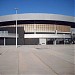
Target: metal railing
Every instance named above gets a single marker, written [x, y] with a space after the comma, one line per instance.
[6, 34]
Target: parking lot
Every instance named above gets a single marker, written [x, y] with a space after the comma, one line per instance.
[37, 60]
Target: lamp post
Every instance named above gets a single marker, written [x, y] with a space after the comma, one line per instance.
[16, 26]
[55, 40]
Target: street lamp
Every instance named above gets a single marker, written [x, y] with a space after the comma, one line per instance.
[55, 40]
[16, 26]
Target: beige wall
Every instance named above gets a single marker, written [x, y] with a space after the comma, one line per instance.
[45, 28]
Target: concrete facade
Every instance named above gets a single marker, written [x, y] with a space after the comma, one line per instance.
[56, 29]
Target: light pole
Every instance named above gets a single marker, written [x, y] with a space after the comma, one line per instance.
[16, 26]
[55, 40]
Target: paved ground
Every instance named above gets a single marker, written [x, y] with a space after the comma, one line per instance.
[37, 60]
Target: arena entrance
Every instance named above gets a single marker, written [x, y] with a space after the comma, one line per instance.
[31, 41]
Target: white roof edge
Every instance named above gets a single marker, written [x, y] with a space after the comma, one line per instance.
[37, 16]
[38, 13]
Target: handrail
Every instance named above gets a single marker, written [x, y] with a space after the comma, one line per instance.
[8, 35]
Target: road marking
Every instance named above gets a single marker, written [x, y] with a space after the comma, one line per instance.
[45, 63]
[3, 52]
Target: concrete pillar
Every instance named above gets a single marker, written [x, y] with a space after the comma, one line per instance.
[34, 28]
[4, 41]
[64, 39]
[54, 41]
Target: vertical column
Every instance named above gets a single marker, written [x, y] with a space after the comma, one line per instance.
[4, 41]
[64, 38]
[16, 33]
[16, 26]
[34, 28]
[54, 41]
[55, 34]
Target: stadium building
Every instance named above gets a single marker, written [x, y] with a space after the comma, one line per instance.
[37, 28]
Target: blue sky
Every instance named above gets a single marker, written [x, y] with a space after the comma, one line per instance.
[64, 7]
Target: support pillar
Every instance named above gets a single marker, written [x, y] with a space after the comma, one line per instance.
[4, 41]
[54, 41]
[64, 39]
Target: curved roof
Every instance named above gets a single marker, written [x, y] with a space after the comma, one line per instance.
[37, 16]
